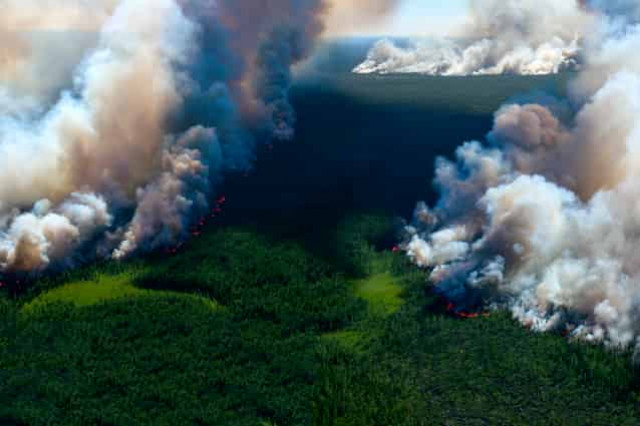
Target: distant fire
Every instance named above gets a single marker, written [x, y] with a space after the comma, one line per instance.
[451, 309]
[173, 250]
[197, 229]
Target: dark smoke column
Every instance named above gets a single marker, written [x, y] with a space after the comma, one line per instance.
[268, 37]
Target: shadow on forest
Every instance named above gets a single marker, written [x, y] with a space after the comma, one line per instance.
[364, 144]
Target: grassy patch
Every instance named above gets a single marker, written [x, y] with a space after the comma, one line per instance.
[382, 292]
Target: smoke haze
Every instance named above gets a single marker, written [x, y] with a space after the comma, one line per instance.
[543, 217]
[349, 17]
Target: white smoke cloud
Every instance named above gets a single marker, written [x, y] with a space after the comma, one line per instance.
[119, 117]
[33, 240]
[528, 37]
[544, 218]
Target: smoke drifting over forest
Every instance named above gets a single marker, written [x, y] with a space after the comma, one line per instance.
[543, 217]
[527, 37]
[119, 118]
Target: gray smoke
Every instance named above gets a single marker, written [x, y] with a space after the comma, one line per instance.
[119, 117]
[543, 218]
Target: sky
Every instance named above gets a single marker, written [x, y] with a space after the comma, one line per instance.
[426, 17]
[411, 18]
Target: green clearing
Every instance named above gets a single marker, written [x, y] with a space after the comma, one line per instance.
[103, 288]
[383, 296]
[381, 291]
[87, 293]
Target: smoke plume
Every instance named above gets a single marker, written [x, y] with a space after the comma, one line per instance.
[500, 37]
[118, 117]
[544, 217]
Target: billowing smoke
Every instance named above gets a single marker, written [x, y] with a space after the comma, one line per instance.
[528, 37]
[544, 218]
[118, 117]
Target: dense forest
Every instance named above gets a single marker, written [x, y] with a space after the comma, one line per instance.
[241, 328]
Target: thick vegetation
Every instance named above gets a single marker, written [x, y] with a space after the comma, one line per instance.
[242, 329]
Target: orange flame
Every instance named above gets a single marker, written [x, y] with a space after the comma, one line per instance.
[451, 309]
